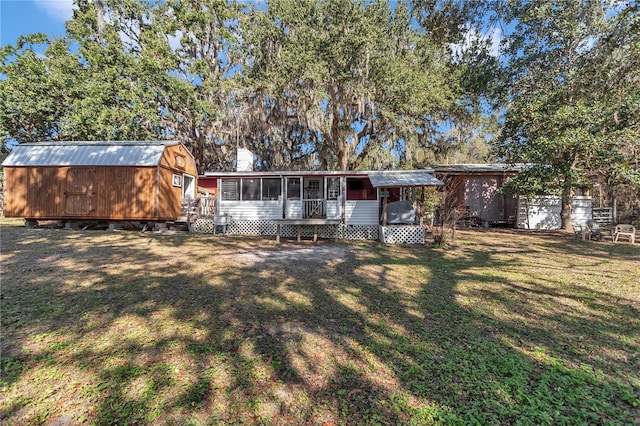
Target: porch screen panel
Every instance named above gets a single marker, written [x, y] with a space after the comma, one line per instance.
[293, 188]
[333, 188]
[230, 189]
[250, 189]
[271, 188]
[360, 189]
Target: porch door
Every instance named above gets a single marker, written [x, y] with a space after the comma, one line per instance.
[314, 202]
[312, 188]
[333, 196]
[293, 198]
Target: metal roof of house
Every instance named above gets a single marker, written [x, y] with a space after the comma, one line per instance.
[402, 178]
[478, 168]
[493, 168]
[102, 153]
[294, 173]
[386, 178]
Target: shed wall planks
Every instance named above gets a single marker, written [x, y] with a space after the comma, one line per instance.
[16, 197]
[82, 193]
[169, 196]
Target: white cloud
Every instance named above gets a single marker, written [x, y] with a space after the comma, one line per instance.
[57, 9]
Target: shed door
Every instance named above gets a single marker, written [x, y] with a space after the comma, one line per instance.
[79, 192]
[188, 186]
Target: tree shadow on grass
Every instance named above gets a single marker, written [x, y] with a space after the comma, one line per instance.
[379, 335]
[486, 367]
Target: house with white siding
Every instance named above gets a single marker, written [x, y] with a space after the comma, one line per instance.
[353, 203]
[363, 204]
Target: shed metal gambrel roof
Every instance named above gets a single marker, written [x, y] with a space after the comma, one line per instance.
[103, 153]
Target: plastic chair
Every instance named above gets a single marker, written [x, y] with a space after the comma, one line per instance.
[594, 230]
[628, 231]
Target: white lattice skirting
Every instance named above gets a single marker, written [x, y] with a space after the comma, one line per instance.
[204, 226]
[402, 234]
[360, 232]
[238, 227]
[268, 227]
[324, 231]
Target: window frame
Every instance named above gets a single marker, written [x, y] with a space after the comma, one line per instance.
[242, 187]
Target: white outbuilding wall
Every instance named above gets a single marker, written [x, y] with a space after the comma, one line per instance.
[543, 212]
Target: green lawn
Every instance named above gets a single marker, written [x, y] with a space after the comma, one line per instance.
[501, 328]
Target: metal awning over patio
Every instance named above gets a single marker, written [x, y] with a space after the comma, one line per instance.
[406, 178]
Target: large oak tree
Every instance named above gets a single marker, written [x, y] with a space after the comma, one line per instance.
[573, 96]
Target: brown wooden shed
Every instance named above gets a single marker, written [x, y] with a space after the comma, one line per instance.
[98, 181]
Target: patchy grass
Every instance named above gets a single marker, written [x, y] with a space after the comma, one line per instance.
[501, 328]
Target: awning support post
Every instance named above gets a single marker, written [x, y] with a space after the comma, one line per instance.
[385, 193]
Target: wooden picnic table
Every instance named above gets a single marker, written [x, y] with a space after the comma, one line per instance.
[299, 223]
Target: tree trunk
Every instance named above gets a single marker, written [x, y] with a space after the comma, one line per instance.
[565, 210]
[343, 160]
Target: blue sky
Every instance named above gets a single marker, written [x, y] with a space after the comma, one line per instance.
[21, 17]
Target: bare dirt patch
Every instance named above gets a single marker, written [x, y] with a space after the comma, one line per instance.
[292, 255]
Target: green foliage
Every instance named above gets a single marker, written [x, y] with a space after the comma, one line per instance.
[332, 83]
[38, 90]
[340, 83]
[364, 85]
[117, 76]
[573, 108]
[354, 73]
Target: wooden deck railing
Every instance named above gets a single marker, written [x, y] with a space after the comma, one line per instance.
[207, 206]
[314, 208]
